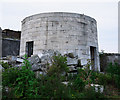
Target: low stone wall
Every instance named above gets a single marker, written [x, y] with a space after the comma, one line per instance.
[107, 58]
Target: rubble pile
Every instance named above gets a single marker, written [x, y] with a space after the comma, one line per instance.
[40, 62]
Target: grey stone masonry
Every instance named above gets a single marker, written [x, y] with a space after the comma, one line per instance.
[64, 32]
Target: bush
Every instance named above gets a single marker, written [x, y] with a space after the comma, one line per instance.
[78, 84]
[94, 77]
[101, 78]
[114, 70]
[22, 81]
[105, 79]
[59, 66]
[50, 85]
[23, 84]
[91, 94]
[9, 75]
[78, 81]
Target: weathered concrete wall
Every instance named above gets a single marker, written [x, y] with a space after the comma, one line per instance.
[10, 47]
[65, 32]
[10, 42]
[107, 58]
[0, 42]
[113, 58]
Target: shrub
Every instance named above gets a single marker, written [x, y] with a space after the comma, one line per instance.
[78, 84]
[9, 75]
[91, 94]
[22, 81]
[78, 81]
[94, 76]
[25, 85]
[104, 79]
[5, 65]
[51, 85]
[114, 70]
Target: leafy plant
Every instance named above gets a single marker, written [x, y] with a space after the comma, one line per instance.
[78, 84]
[50, 85]
[9, 75]
[82, 78]
[114, 70]
[20, 82]
[91, 94]
[25, 84]
[5, 65]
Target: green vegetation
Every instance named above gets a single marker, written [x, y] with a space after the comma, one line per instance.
[114, 71]
[22, 83]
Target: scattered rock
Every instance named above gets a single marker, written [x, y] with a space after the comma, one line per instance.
[12, 58]
[38, 66]
[71, 61]
[19, 60]
[39, 63]
[34, 59]
[79, 63]
[98, 88]
[47, 56]
[72, 68]
[71, 55]
[65, 83]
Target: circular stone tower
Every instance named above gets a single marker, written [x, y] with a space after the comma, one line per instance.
[64, 32]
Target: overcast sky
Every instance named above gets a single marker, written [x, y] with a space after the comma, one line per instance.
[104, 11]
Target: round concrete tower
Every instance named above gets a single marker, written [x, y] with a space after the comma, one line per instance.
[64, 32]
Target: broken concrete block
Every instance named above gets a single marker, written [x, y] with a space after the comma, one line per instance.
[47, 56]
[98, 88]
[19, 60]
[72, 68]
[36, 66]
[71, 55]
[12, 58]
[34, 59]
[39, 67]
[71, 61]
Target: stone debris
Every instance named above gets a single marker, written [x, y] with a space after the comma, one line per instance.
[72, 68]
[39, 63]
[12, 58]
[19, 60]
[34, 59]
[65, 83]
[72, 61]
[47, 56]
[98, 88]
[72, 55]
